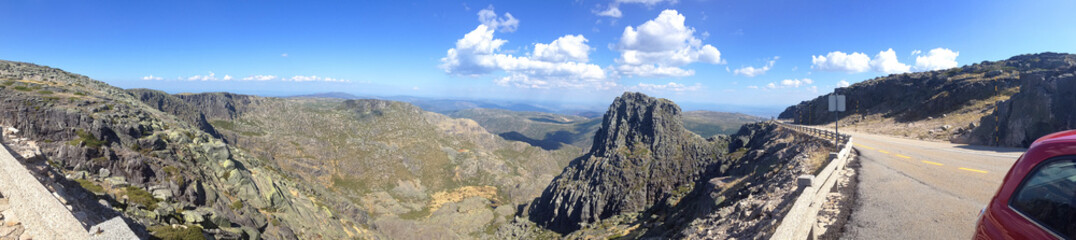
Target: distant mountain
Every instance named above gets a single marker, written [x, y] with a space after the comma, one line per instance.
[957, 104]
[710, 123]
[443, 106]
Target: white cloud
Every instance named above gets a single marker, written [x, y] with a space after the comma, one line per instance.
[504, 24]
[312, 78]
[671, 86]
[792, 83]
[613, 12]
[843, 83]
[916, 52]
[886, 62]
[662, 45]
[751, 71]
[284, 55]
[936, 59]
[566, 48]
[561, 63]
[211, 77]
[752, 87]
[151, 77]
[614, 7]
[259, 78]
[838, 61]
[795, 83]
[227, 77]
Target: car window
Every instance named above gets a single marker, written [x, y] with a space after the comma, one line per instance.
[1048, 196]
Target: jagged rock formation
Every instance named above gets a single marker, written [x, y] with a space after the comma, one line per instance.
[1044, 105]
[642, 157]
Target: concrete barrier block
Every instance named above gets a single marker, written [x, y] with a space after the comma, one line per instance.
[804, 181]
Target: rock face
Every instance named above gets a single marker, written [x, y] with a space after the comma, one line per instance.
[160, 158]
[1044, 105]
[916, 96]
[642, 156]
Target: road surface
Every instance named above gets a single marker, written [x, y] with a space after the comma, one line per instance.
[913, 189]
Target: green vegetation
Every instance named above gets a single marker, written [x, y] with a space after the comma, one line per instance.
[141, 197]
[238, 204]
[22, 88]
[90, 186]
[174, 174]
[185, 232]
[8, 83]
[80, 93]
[88, 139]
[100, 161]
[44, 92]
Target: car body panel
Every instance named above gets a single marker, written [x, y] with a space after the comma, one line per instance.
[999, 220]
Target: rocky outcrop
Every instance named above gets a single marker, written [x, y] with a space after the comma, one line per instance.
[1044, 105]
[172, 105]
[147, 157]
[641, 158]
[916, 96]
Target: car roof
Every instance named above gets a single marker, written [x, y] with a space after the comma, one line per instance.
[1069, 135]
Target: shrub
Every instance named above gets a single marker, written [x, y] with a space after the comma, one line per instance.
[80, 93]
[186, 232]
[88, 139]
[90, 186]
[45, 92]
[22, 88]
[237, 205]
[141, 197]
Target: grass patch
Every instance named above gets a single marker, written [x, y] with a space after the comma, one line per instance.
[8, 83]
[22, 88]
[185, 232]
[80, 93]
[44, 92]
[238, 204]
[101, 161]
[90, 186]
[88, 139]
[174, 174]
[141, 197]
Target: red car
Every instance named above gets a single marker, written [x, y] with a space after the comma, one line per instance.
[1037, 199]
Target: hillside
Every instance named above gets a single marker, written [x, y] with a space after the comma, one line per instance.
[947, 105]
[710, 123]
[409, 169]
[155, 168]
[647, 176]
[277, 168]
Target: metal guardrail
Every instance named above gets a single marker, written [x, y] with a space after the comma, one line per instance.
[799, 222]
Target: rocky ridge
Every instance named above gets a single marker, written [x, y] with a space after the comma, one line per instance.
[951, 104]
[154, 167]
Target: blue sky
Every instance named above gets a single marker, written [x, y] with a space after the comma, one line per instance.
[687, 50]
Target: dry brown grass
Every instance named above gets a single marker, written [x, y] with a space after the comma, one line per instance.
[926, 129]
[441, 198]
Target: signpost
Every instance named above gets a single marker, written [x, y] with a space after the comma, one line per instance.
[836, 105]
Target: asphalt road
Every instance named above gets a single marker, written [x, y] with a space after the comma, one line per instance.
[913, 189]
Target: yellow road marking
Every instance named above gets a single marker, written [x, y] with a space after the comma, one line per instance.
[973, 170]
[932, 163]
[904, 157]
[859, 145]
[883, 151]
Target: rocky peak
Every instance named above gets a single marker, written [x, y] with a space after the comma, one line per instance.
[635, 118]
[641, 158]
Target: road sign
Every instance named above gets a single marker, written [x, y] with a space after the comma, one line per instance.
[836, 103]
